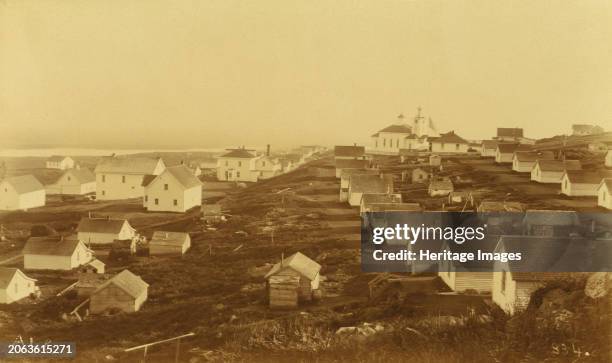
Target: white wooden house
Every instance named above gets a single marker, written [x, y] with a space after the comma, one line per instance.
[360, 184]
[60, 162]
[55, 253]
[94, 231]
[237, 165]
[266, 167]
[169, 243]
[488, 148]
[604, 193]
[176, 189]
[551, 171]
[476, 275]
[440, 187]
[121, 178]
[524, 161]
[368, 199]
[125, 292]
[345, 179]
[449, 142]
[292, 280]
[15, 285]
[21, 193]
[580, 183]
[343, 164]
[73, 181]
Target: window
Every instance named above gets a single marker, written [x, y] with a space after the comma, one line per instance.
[156, 201]
[457, 147]
[165, 186]
[103, 192]
[240, 163]
[175, 202]
[384, 142]
[146, 198]
[123, 178]
[503, 281]
[103, 178]
[397, 143]
[237, 174]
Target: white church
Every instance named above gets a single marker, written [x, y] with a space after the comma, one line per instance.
[404, 135]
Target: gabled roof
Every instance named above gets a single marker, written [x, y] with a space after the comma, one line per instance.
[349, 151]
[584, 177]
[351, 163]
[367, 183]
[83, 175]
[299, 263]
[238, 153]
[147, 179]
[183, 175]
[509, 132]
[129, 165]
[50, 246]
[398, 129]
[449, 137]
[128, 282]
[8, 273]
[101, 225]
[533, 155]
[489, 144]
[24, 183]
[370, 198]
[509, 148]
[169, 238]
[559, 165]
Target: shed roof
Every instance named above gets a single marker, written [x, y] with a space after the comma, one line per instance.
[299, 263]
[24, 183]
[101, 225]
[164, 238]
[559, 165]
[398, 129]
[585, 177]
[181, 173]
[367, 183]
[349, 151]
[509, 148]
[128, 282]
[128, 165]
[50, 246]
[533, 155]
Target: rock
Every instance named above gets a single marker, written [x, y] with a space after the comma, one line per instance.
[346, 330]
[598, 285]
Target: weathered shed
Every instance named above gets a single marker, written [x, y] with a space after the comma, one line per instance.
[440, 187]
[211, 213]
[292, 280]
[125, 292]
[169, 243]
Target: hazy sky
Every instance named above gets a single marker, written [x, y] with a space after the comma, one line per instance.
[146, 73]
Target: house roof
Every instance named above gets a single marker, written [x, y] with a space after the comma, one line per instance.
[7, 274]
[184, 176]
[509, 148]
[169, 238]
[368, 183]
[147, 179]
[347, 172]
[83, 175]
[449, 137]
[128, 282]
[346, 151]
[129, 165]
[398, 129]
[97, 264]
[24, 183]
[238, 153]
[397, 207]
[370, 198]
[101, 225]
[51, 246]
[551, 218]
[584, 177]
[351, 163]
[489, 144]
[533, 155]
[444, 184]
[509, 132]
[298, 262]
[559, 165]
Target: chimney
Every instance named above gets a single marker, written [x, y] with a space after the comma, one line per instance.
[268, 150]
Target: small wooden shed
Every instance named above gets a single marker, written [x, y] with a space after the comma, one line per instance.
[125, 292]
[292, 280]
[169, 243]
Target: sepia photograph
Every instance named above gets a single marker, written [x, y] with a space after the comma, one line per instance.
[197, 181]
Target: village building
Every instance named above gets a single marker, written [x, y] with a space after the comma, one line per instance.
[121, 178]
[360, 184]
[211, 213]
[15, 285]
[266, 167]
[169, 243]
[94, 231]
[73, 182]
[584, 130]
[440, 187]
[475, 275]
[60, 162]
[125, 292]
[511, 134]
[435, 160]
[608, 160]
[580, 183]
[345, 176]
[552, 171]
[420, 175]
[449, 142]
[55, 253]
[404, 135]
[505, 152]
[176, 189]
[21, 193]
[524, 161]
[294, 279]
[547, 223]
[604, 193]
[488, 148]
[237, 165]
[349, 152]
[368, 199]
[344, 164]
[90, 276]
